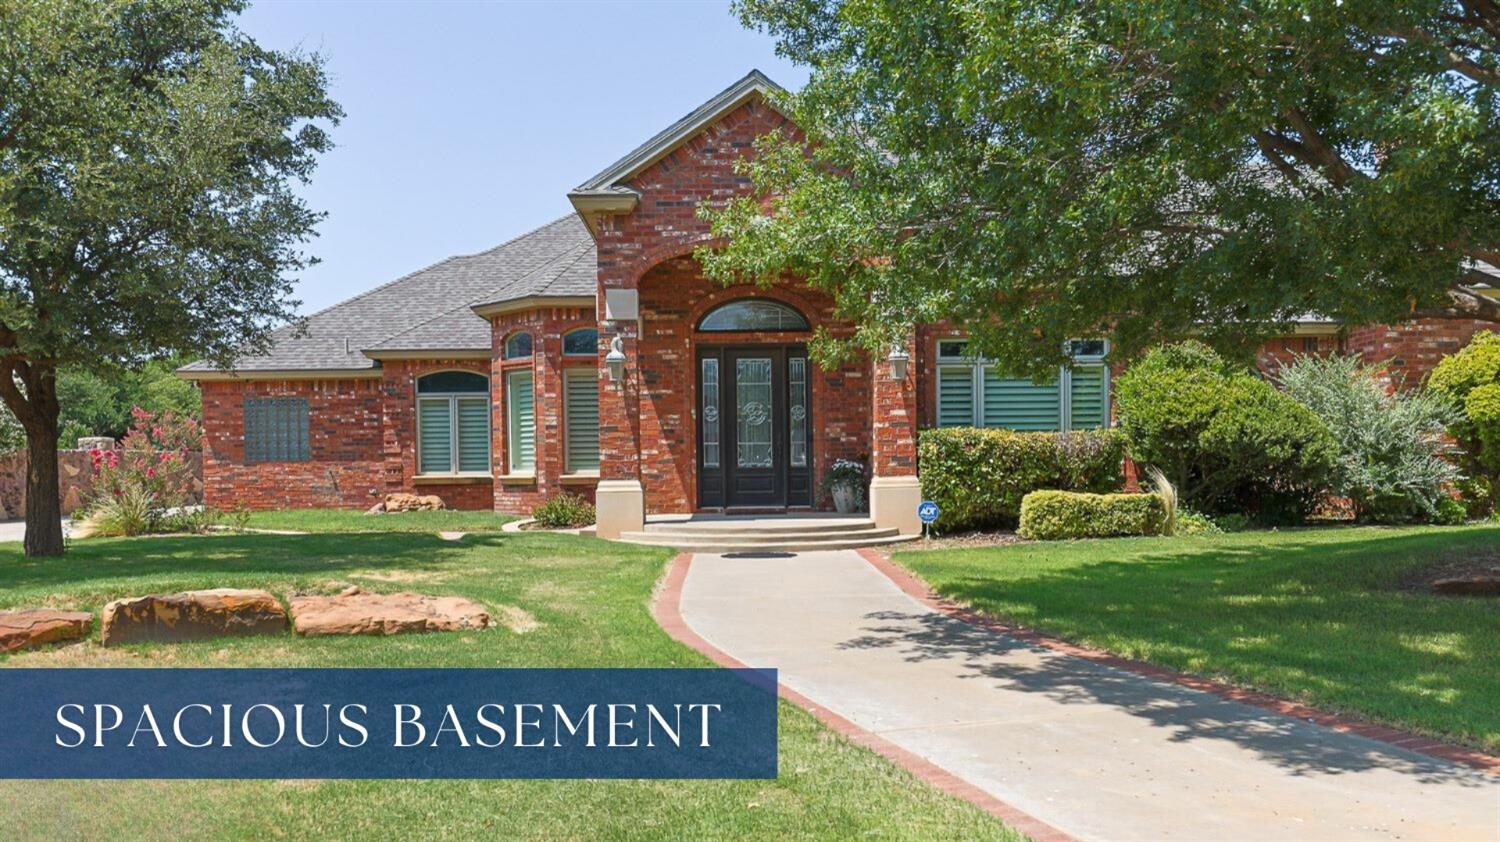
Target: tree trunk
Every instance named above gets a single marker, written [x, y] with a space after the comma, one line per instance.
[43, 512]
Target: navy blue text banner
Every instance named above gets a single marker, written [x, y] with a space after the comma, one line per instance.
[388, 723]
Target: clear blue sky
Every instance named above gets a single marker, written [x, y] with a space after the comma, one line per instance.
[467, 123]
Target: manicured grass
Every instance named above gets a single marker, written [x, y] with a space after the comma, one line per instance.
[1325, 616]
[585, 603]
[344, 520]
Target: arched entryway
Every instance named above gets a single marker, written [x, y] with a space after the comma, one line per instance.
[755, 423]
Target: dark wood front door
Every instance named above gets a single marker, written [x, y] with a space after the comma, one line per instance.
[754, 427]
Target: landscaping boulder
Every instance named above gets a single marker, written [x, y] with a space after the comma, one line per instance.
[357, 612]
[402, 502]
[191, 615]
[1478, 584]
[40, 626]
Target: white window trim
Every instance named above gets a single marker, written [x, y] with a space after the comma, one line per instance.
[568, 470]
[452, 399]
[977, 366]
[511, 468]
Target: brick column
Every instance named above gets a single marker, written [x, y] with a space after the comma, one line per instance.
[894, 488]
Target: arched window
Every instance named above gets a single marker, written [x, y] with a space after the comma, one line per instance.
[453, 423]
[752, 314]
[583, 342]
[518, 346]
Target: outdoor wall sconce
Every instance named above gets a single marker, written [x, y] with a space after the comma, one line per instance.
[615, 359]
[899, 359]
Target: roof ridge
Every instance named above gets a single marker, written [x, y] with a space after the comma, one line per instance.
[583, 250]
[489, 295]
[429, 267]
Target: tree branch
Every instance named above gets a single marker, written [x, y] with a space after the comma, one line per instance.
[1464, 302]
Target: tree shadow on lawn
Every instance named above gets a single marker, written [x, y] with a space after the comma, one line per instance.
[1325, 617]
[231, 560]
[1189, 715]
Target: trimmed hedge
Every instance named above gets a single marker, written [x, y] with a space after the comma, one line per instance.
[1059, 515]
[979, 477]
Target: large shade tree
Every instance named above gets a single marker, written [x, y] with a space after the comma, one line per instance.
[1038, 170]
[148, 154]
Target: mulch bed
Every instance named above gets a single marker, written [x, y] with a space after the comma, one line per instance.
[1456, 565]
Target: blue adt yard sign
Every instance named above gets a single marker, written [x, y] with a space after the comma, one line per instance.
[928, 511]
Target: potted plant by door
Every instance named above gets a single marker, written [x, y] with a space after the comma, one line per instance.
[845, 483]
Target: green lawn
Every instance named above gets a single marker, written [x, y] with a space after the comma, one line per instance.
[585, 603]
[1325, 616]
[345, 520]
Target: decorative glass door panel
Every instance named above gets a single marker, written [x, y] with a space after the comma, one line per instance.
[752, 410]
[754, 427]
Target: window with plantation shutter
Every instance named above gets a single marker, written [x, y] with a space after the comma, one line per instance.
[970, 392]
[520, 413]
[1088, 397]
[956, 396]
[276, 430]
[473, 435]
[453, 423]
[581, 419]
[1019, 404]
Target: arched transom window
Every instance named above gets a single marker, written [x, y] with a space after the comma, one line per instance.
[752, 314]
[453, 423]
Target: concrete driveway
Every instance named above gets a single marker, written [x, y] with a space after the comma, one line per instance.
[1096, 752]
[15, 530]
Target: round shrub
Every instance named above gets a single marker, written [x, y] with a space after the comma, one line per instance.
[978, 477]
[564, 511]
[1470, 379]
[1228, 440]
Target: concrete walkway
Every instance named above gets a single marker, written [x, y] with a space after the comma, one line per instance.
[1096, 752]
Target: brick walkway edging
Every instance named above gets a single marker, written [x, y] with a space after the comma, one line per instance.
[666, 608]
[917, 589]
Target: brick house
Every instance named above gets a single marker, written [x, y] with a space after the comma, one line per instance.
[591, 355]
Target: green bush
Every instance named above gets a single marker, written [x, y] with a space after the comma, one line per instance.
[1229, 441]
[978, 477]
[1190, 522]
[1059, 515]
[1392, 462]
[1471, 379]
[564, 511]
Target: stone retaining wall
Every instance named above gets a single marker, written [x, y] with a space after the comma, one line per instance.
[74, 475]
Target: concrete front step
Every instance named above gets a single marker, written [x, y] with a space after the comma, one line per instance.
[752, 534]
[797, 542]
[747, 525]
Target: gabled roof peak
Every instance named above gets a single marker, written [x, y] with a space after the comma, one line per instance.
[609, 181]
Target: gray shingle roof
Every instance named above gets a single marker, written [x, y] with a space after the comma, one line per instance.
[430, 309]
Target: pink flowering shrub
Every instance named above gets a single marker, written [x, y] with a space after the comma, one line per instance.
[144, 484]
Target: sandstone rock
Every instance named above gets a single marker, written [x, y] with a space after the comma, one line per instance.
[383, 614]
[95, 443]
[1479, 584]
[402, 502]
[352, 590]
[39, 626]
[377, 509]
[191, 615]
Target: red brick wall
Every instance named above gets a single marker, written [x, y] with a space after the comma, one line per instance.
[1277, 352]
[398, 385]
[547, 364]
[362, 437]
[674, 297]
[344, 436]
[665, 225]
[1414, 348]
